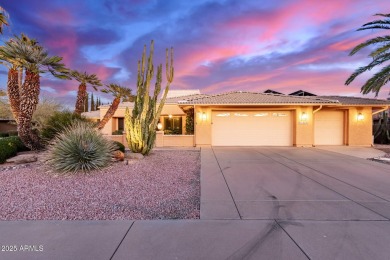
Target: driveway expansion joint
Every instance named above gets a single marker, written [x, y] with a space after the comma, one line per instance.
[227, 185]
[120, 243]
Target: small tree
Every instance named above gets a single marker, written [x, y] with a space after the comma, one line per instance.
[84, 79]
[141, 125]
[118, 92]
[190, 121]
[92, 103]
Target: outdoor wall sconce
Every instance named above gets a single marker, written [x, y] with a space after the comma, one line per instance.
[204, 116]
[360, 117]
[170, 116]
[159, 126]
[304, 117]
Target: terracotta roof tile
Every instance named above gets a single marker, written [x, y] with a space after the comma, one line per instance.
[357, 100]
[241, 97]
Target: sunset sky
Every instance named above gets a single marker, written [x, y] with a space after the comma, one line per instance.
[226, 45]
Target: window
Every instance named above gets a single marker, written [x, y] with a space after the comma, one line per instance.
[173, 125]
[121, 124]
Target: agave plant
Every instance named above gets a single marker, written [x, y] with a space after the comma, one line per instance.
[79, 148]
[118, 92]
[84, 79]
[380, 55]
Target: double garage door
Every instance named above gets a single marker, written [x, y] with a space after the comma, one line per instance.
[252, 128]
[272, 128]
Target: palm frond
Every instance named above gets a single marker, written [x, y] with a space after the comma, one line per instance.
[378, 61]
[376, 82]
[385, 27]
[117, 90]
[86, 78]
[384, 15]
[379, 39]
[385, 48]
[3, 19]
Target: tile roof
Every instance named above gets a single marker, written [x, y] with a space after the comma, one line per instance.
[357, 100]
[242, 98]
[175, 100]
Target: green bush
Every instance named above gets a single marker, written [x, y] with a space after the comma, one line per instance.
[58, 122]
[8, 148]
[80, 147]
[120, 146]
[117, 132]
[4, 134]
[19, 144]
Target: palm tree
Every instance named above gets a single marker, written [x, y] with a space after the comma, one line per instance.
[118, 92]
[3, 19]
[15, 69]
[84, 79]
[379, 55]
[35, 60]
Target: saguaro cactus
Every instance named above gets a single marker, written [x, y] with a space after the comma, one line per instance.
[141, 125]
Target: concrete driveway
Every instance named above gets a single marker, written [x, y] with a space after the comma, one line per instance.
[256, 203]
[331, 205]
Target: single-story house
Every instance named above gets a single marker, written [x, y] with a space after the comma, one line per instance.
[243, 118]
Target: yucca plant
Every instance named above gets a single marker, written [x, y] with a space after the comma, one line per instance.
[79, 148]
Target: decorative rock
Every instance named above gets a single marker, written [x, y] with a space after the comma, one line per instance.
[24, 158]
[137, 156]
[118, 155]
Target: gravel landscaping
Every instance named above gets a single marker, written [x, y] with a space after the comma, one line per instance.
[164, 185]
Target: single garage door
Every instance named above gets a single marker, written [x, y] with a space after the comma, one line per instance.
[251, 128]
[329, 128]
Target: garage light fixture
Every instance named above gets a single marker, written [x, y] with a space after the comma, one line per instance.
[360, 117]
[204, 116]
[304, 117]
[159, 126]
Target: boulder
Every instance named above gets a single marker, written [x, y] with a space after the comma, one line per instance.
[118, 155]
[136, 156]
[24, 158]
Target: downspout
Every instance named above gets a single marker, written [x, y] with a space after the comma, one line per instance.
[318, 109]
[380, 110]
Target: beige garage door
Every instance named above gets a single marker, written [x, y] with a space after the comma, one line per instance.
[329, 128]
[244, 128]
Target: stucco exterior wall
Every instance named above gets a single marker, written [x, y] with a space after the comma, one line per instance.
[303, 126]
[359, 131]
[202, 127]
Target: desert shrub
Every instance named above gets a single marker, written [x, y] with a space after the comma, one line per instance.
[20, 147]
[120, 146]
[80, 147]
[7, 149]
[58, 122]
[13, 133]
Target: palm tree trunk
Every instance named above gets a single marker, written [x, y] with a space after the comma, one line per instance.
[81, 95]
[110, 112]
[28, 104]
[13, 93]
